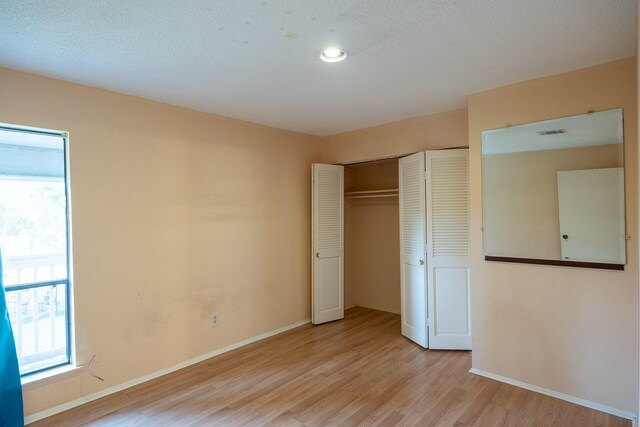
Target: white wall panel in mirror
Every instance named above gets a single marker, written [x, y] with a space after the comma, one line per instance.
[553, 191]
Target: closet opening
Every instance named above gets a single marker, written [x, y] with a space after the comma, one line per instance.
[372, 235]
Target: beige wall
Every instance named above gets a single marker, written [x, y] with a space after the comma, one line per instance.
[377, 256]
[571, 330]
[176, 214]
[372, 239]
[521, 213]
[443, 130]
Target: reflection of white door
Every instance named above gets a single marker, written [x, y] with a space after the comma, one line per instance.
[327, 278]
[591, 210]
[413, 301]
[448, 258]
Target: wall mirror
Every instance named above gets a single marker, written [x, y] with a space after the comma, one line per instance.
[553, 192]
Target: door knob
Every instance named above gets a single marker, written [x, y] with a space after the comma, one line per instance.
[317, 254]
[565, 237]
[421, 262]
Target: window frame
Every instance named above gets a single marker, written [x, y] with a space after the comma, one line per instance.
[69, 321]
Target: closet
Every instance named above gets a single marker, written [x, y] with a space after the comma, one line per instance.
[393, 235]
[372, 236]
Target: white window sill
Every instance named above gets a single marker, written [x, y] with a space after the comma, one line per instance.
[50, 376]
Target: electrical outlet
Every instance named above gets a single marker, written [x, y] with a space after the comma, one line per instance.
[215, 319]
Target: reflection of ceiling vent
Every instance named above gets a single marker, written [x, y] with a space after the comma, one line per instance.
[551, 132]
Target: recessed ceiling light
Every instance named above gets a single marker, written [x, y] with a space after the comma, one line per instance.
[333, 54]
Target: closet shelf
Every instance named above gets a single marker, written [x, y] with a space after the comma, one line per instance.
[372, 194]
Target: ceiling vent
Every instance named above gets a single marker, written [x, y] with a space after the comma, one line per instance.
[551, 132]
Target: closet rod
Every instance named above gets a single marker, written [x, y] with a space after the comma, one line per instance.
[372, 196]
[357, 193]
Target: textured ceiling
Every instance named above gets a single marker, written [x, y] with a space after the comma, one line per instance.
[257, 60]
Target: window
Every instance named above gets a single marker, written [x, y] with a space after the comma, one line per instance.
[34, 244]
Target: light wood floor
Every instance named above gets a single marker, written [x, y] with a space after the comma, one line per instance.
[352, 372]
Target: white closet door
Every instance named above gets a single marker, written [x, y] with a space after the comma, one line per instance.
[448, 262]
[327, 243]
[413, 303]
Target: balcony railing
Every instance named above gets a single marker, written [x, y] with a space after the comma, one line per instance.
[37, 291]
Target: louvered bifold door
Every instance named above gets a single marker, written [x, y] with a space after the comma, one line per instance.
[413, 304]
[448, 249]
[327, 243]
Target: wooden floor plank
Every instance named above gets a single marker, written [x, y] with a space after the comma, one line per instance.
[358, 371]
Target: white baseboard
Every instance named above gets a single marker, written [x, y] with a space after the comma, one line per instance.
[107, 391]
[578, 401]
